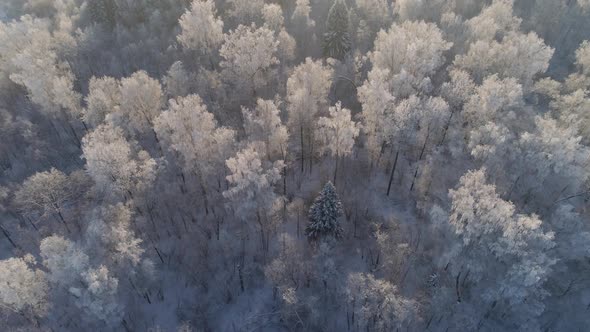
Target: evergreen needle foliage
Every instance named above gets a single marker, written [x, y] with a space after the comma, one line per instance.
[337, 38]
[324, 214]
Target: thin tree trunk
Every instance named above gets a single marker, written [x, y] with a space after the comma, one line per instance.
[457, 289]
[379, 156]
[61, 217]
[78, 142]
[56, 130]
[159, 255]
[262, 232]
[204, 192]
[302, 152]
[420, 158]
[7, 234]
[285, 180]
[310, 154]
[241, 277]
[336, 169]
[217, 229]
[32, 224]
[447, 125]
[392, 172]
[158, 144]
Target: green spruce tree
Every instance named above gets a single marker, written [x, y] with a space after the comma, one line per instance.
[324, 215]
[337, 36]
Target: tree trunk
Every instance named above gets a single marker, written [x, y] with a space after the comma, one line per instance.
[297, 223]
[61, 217]
[302, 152]
[262, 232]
[56, 130]
[336, 169]
[217, 228]
[204, 192]
[241, 277]
[285, 180]
[310, 154]
[447, 125]
[5, 232]
[158, 144]
[379, 156]
[159, 255]
[392, 172]
[420, 158]
[76, 138]
[457, 289]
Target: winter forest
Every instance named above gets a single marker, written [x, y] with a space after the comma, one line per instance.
[294, 165]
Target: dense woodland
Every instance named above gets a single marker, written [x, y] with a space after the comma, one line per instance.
[294, 165]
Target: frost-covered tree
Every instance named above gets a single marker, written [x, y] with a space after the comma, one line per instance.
[301, 13]
[103, 98]
[248, 53]
[584, 4]
[494, 145]
[522, 56]
[289, 272]
[307, 92]
[459, 89]
[177, 80]
[19, 138]
[289, 269]
[494, 21]
[337, 38]
[580, 80]
[117, 170]
[251, 189]
[555, 157]
[412, 53]
[201, 29]
[23, 289]
[98, 298]
[245, 11]
[338, 133]
[110, 234]
[141, 102]
[264, 124]
[411, 126]
[30, 59]
[273, 16]
[287, 46]
[190, 130]
[418, 121]
[408, 125]
[570, 110]
[324, 215]
[250, 178]
[495, 99]
[583, 57]
[377, 305]
[431, 10]
[495, 237]
[376, 12]
[64, 259]
[377, 102]
[49, 193]
[456, 92]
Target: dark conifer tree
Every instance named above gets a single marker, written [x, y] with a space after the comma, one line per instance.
[337, 38]
[324, 215]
